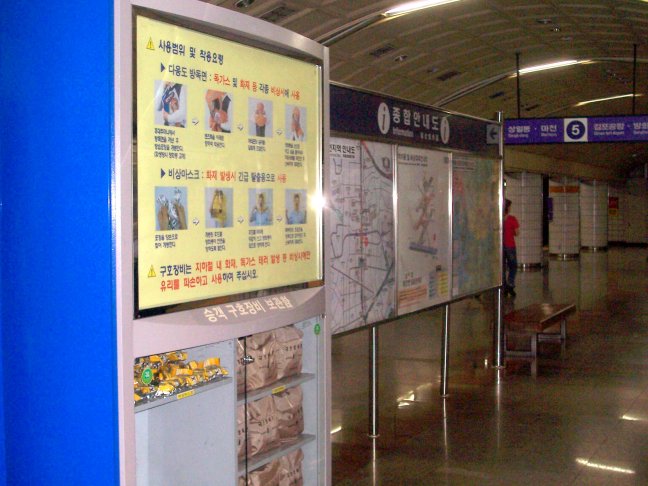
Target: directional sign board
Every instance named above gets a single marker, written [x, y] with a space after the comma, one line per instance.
[531, 131]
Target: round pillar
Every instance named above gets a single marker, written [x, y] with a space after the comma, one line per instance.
[525, 192]
[564, 214]
[616, 214]
[594, 215]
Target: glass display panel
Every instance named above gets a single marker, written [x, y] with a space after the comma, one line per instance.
[227, 169]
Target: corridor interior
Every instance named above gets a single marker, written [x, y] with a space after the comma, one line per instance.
[582, 420]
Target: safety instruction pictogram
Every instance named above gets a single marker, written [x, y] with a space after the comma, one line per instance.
[150, 46]
[151, 273]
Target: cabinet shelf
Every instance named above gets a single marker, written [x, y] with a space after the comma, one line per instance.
[276, 387]
[262, 459]
[201, 388]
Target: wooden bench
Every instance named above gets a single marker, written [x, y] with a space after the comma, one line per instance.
[531, 322]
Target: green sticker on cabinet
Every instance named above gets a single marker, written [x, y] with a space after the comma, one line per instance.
[147, 376]
[317, 329]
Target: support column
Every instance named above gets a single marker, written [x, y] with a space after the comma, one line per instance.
[637, 215]
[594, 215]
[525, 192]
[564, 223]
[617, 207]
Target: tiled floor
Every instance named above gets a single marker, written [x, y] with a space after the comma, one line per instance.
[582, 420]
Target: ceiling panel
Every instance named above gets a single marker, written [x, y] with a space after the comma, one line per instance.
[464, 51]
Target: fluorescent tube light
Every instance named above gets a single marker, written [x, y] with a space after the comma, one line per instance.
[633, 418]
[410, 7]
[581, 103]
[551, 65]
[604, 467]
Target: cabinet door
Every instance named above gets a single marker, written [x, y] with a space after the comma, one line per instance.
[279, 409]
[186, 437]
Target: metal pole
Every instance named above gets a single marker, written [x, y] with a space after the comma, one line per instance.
[498, 332]
[634, 80]
[373, 383]
[445, 351]
[497, 328]
[517, 76]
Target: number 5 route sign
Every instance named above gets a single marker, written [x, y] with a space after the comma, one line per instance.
[575, 130]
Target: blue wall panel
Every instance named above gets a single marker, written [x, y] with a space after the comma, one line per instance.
[58, 317]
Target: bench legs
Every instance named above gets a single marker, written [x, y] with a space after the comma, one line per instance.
[554, 336]
[532, 354]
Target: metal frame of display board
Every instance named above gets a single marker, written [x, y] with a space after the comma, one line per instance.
[498, 329]
[196, 326]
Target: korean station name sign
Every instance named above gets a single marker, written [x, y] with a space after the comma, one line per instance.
[228, 167]
[390, 119]
[531, 131]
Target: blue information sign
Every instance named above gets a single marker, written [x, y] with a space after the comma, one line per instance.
[530, 131]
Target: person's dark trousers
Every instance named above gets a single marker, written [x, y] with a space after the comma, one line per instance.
[510, 261]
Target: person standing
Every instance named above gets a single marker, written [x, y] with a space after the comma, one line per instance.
[511, 228]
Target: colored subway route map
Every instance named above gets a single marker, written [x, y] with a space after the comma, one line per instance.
[476, 240]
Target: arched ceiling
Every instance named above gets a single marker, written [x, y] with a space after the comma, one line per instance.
[460, 56]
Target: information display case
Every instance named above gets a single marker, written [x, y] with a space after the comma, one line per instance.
[259, 417]
[222, 345]
[415, 197]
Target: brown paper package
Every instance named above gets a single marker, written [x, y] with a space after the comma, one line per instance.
[289, 351]
[262, 371]
[290, 413]
[263, 430]
[268, 475]
[291, 469]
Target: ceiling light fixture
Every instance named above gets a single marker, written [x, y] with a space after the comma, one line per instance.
[604, 467]
[598, 100]
[551, 65]
[410, 7]
[243, 3]
[633, 418]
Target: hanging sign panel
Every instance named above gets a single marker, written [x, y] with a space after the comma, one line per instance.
[600, 129]
[476, 227]
[360, 281]
[372, 115]
[423, 228]
[228, 167]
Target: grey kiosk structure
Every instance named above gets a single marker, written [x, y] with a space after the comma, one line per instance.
[195, 291]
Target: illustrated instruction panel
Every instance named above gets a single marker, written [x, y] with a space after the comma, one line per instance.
[423, 228]
[228, 167]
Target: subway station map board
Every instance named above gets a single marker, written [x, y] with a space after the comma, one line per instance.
[360, 282]
[229, 143]
[476, 228]
[423, 228]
